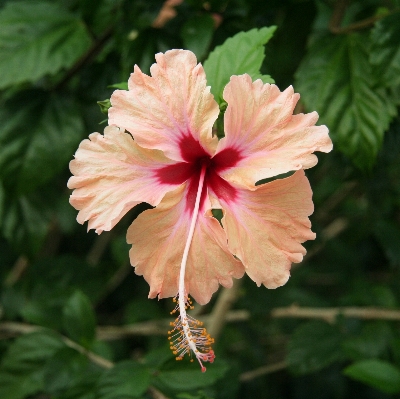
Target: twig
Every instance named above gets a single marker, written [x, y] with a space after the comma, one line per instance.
[355, 26]
[87, 57]
[330, 314]
[335, 199]
[157, 327]
[117, 278]
[109, 333]
[268, 369]
[226, 299]
[155, 393]
[52, 241]
[337, 18]
[96, 359]
[338, 14]
[329, 232]
[146, 328]
[99, 246]
[17, 270]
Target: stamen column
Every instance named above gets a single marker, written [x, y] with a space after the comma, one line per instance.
[190, 336]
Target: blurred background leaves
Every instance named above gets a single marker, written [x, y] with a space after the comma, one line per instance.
[75, 321]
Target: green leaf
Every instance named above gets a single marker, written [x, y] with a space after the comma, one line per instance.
[38, 136]
[337, 80]
[65, 370]
[79, 319]
[186, 377]
[373, 341]
[31, 351]
[41, 362]
[104, 105]
[224, 61]
[141, 309]
[197, 33]
[83, 390]
[21, 371]
[385, 52]
[313, 346]
[127, 379]
[159, 356]
[43, 312]
[264, 78]
[56, 279]
[26, 222]
[376, 373]
[120, 86]
[198, 395]
[38, 38]
[18, 386]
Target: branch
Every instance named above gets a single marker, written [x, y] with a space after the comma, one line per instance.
[96, 359]
[355, 26]
[160, 327]
[338, 14]
[342, 193]
[330, 314]
[157, 327]
[218, 317]
[87, 57]
[99, 246]
[110, 333]
[116, 279]
[328, 233]
[268, 369]
[17, 270]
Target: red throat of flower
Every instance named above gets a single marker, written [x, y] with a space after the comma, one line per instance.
[188, 335]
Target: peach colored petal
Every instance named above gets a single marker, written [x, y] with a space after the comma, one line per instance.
[112, 175]
[158, 238]
[170, 109]
[259, 125]
[266, 227]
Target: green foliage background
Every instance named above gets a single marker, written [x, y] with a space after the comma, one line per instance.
[62, 288]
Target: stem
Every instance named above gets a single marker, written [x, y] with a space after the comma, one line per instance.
[330, 314]
[86, 58]
[268, 369]
[220, 311]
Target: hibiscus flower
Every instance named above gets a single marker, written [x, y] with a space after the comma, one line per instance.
[160, 149]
